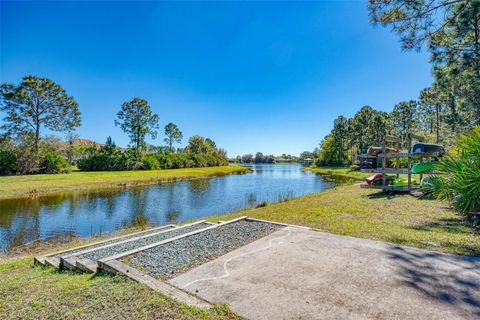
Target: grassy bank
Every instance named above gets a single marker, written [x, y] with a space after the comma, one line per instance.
[350, 172]
[24, 186]
[28, 292]
[365, 213]
[42, 293]
[343, 172]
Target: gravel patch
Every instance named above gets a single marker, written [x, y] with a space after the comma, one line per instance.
[109, 242]
[127, 246]
[172, 258]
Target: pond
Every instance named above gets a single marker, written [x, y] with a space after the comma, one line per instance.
[65, 215]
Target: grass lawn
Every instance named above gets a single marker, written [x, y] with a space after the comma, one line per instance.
[28, 185]
[345, 172]
[351, 172]
[366, 213]
[28, 292]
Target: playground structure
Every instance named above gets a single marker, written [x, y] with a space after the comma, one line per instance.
[388, 154]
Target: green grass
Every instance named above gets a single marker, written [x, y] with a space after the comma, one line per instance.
[344, 172]
[366, 213]
[350, 172]
[28, 292]
[33, 292]
[32, 185]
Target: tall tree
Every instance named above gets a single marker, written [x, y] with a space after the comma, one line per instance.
[451, 31]
[174, 135]
[35, 103]
[339, 141]
[198, 145]
[259, 157]
[430, 107]
[137, 119]
[360, 128]
[379, 128]
[404, 119]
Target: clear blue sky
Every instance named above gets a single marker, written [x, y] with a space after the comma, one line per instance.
[253, 76]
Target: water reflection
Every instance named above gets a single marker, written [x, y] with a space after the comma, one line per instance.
[63, 216]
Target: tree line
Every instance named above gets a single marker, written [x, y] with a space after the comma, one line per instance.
[450, 30]
[263, 158]
[38, 103]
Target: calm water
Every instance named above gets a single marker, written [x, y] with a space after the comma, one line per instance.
[95, 212]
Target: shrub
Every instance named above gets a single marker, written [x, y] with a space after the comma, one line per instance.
[107, 158]
[460, 184]
[8, 163]
[150, 162]
[99, 161]
[53, 162]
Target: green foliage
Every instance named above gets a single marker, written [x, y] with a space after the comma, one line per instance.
[37, 102]
[111, 158]
[430, 107]
[151, 162]
[404, 118]
[451, 32]
[460, 184]
[368, 127]
[106, 158]
[173, 135]
[8, 163]
[53, 162]
[432, 187]
[200, 152]
[348, 136]
[137, 119]
[328, 153]
[205, 152]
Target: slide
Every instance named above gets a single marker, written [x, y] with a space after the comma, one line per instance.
[400, 182]
[423, 166]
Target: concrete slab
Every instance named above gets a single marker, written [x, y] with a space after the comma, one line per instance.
[296, 273]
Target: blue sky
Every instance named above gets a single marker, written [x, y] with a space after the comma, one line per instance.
[253, 76]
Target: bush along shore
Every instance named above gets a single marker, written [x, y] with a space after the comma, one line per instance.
[38, 103]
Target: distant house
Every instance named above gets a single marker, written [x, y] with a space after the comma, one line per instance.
[307, 160]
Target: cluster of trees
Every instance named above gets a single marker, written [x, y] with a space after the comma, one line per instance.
[39, 103]
[451, 106]
[199, 152]
[261, 158]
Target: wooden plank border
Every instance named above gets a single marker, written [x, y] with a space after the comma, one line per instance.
[88, 265]
[114, 266]
[101, 262]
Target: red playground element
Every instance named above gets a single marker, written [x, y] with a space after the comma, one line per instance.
[369, 180]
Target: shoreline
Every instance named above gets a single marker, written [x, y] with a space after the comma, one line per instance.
[344, 210]
[338, 171]
[32, 186]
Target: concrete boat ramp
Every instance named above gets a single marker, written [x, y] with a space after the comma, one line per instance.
[266, 270]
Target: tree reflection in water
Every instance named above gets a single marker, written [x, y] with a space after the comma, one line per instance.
[61, 216]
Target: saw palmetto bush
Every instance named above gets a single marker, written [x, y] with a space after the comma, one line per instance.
[459, 183]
